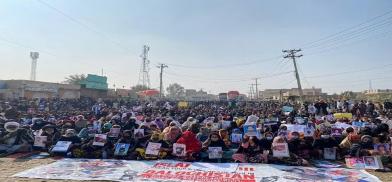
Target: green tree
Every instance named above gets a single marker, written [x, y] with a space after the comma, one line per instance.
[175, 90]
[135, 89]
[75, 79]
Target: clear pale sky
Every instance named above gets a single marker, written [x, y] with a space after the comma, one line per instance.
[195, 36]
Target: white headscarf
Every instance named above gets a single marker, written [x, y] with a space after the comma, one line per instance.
[12, 123]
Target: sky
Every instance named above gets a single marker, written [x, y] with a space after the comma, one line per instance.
[214, 45]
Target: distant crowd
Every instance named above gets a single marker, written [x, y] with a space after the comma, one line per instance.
[251, 132]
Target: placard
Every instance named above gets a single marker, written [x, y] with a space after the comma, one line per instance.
[329, 153]
[382, 149]
[236, 137]
[355, 162]
[153, 148]
[280, 150]
[121, 149]
[61, 146]
[226, 124]
[99, 139]
[215, 152]
[39, 141]
[114, 132]
[250, 130]
[372, 162]
[139, 133]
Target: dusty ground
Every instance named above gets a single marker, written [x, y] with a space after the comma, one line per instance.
[9, 166]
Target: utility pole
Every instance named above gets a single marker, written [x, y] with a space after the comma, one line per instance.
[161, 66]
[257, 89]
[292, 55]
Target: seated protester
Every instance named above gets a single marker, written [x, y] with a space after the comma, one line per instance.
[266, 142]
[192, 145]
[325, 141]
[130, 124]
[167, 129]
[106, 127]
[235, 145]
[70, 136]
[163, 152]
[127, 138]
[365, 146]
[187, 123]
[294, 143]
[155, 128]
[15, 139]
[173, 135]
[88, 150]
[203, 135]
[52, 135]
[224, 135]
[88, 132]
[250, 151]
[214, 140]
[292, 160]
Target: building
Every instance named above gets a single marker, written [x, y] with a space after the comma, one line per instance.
[277, 94]
[94, 86]
[378, 91]
[194, 95]
[14, 89]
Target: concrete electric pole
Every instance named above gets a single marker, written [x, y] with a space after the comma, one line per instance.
[161, 66]
[292, 55]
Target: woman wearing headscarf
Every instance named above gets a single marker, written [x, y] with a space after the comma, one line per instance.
[250, 151]
[173, 135]
[192, 145]
[163, 151]
[15, 139]
[52, 135]
[127, 138]
[214, 140]
[292, 160]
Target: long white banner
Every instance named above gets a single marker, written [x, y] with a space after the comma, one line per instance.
[173, 171]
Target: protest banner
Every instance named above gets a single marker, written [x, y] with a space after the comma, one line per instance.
[343, 115]
[177, 171]
[287, 109]
[182, 104]
[39, 141]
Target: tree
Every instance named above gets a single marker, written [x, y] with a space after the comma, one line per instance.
[135, 89]
[75, 79]
[175, 90]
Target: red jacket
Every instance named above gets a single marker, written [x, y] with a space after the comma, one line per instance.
[189, 139]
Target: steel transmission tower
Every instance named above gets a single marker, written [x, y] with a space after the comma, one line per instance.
[34, 56]
[144, 77]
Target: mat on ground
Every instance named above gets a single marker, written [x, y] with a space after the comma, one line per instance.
[167, 170]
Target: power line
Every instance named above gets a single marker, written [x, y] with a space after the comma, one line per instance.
[83, 25]
[347, 72]
[347, 29]
[225, 65]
